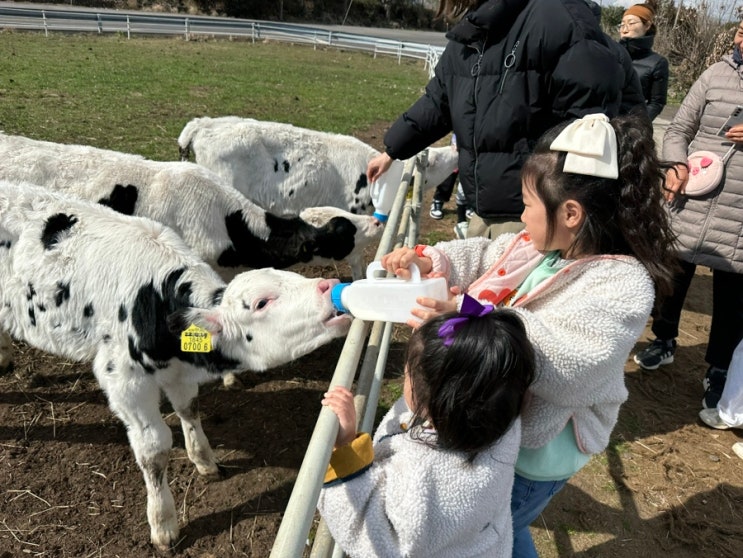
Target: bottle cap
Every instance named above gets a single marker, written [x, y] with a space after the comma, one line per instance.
[381, 217]
[335, 297]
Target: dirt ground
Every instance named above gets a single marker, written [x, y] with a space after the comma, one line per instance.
[69, 486]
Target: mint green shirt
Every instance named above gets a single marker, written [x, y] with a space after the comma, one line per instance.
[560, 458]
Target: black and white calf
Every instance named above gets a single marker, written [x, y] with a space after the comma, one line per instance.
[285, 169]
[86, 283]
[221, 225]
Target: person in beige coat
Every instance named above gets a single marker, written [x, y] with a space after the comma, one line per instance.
[709, 227]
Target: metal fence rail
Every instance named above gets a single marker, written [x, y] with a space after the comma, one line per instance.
[100, 22]
[401, 228]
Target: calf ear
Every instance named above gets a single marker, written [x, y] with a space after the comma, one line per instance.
[210, 320]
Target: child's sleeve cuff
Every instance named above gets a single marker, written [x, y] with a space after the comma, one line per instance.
[347, 461]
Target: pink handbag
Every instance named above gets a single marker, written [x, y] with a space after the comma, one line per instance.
[705, 172]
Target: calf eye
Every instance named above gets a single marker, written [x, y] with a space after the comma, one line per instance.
[261, 304]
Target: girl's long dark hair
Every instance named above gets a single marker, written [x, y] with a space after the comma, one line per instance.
[472, 390]
[626, 215]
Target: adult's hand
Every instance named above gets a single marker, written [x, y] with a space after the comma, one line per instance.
[735, 134]
[377, 167]
[676, 179]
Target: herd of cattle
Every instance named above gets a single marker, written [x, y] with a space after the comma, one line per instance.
[119, 260]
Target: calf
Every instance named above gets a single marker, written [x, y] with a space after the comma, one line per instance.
[83, 282]
[220, 224]
[286, 169]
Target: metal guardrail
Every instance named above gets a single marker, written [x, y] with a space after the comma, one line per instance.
[189, 26]
[401, 229]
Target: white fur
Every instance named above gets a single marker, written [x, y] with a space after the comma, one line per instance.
[285, 169]
[76, 295]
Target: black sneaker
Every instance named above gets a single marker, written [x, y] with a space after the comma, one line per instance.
[714, 383]
[657, 353]
[437, 210]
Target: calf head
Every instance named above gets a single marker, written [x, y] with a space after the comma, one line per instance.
[268, 317]
[441, 162]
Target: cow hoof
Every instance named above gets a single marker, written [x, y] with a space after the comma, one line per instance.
[164, 539]
[231, 381]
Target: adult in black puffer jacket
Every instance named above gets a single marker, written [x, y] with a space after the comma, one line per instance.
[637, 34]
[511, 70]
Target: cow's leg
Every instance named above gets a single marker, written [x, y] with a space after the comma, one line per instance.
[183, 398]
[134, 397]
[6, 352]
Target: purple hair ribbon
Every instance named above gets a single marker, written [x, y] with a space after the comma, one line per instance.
[470, 309]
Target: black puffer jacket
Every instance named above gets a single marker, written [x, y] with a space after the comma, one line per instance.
[651, 68]
[511, 70]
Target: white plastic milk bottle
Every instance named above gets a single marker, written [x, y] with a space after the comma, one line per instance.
[386, 299]
[384, 190]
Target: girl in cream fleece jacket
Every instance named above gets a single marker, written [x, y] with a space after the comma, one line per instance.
[437, 480]
[583, 275]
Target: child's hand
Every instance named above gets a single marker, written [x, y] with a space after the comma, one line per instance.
[399, 260]
[340, 401]
[432, 307]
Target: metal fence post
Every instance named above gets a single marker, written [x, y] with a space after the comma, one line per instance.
[100, 24]
[128, 28]
[46, 29]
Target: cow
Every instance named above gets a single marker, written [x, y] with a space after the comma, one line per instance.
[84, 282]
[285, 168]
[220, 224]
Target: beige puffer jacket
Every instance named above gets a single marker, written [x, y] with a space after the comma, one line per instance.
[709, 228]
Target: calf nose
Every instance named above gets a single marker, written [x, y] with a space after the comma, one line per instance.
[326, 284]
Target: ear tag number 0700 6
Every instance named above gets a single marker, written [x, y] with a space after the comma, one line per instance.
[196, 340]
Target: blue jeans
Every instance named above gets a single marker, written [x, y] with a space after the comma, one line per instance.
[528, 499]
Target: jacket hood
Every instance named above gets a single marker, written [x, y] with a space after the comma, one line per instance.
[638, 46]
[493, 16]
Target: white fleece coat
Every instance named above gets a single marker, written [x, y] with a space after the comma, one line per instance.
[583, 323]
[418, 501]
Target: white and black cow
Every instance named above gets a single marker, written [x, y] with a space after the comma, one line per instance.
[285, 169]
[219, 223]
[84, 282]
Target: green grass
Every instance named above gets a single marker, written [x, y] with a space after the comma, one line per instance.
[136, 95]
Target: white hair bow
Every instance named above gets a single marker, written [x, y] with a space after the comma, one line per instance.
[591, 147]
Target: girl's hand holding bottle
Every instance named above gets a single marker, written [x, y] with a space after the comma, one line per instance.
[398, 261]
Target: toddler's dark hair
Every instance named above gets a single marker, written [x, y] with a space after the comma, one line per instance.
[625, 215]
[472, 390]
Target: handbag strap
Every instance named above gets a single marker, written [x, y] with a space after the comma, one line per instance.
[729, 154]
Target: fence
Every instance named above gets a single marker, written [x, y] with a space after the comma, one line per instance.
[154, 24]
[401, 229]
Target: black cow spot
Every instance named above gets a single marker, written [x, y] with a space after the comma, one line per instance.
[336, 238]
[106, 338]
[88, 310]
[5, 244]
[32, 315]
[287, 166]
[291, 192]
[361, 183]
[217, 296]
[290, 241]
[275, 165]
[62, 294]
[122, 199]
[31, 292]
[55, 228]
[158, 316]
[248, 337]
[41, 308]
[122, 313]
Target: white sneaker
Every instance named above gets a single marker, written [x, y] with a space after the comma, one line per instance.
[711, 418]
[460, 229]
[738, 449]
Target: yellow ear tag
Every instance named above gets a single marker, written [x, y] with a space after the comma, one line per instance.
[196, 340]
